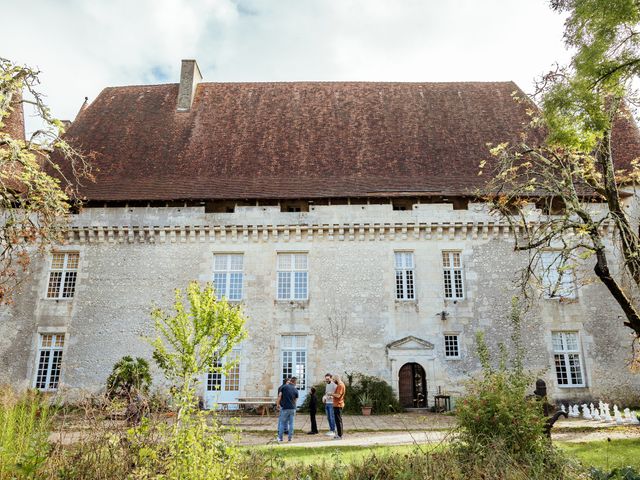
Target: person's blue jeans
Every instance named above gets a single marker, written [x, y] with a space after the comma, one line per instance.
[328, 407]
[285, 421]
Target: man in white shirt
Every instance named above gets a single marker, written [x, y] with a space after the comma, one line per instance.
[327, 399]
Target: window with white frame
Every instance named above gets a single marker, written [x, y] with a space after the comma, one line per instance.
[229, 382]
[293, 277]
[228, 275]
[451, 345]
[63, 275]
[404, 276]
[49, 361]
[566, 354]
[453, 284]
[557, 276]
[294, 359]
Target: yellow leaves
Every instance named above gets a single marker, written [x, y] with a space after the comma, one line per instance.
[499, 149]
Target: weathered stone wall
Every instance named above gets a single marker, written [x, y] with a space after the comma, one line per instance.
[132, 259]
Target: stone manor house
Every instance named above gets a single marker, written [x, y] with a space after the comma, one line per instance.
[343, 217]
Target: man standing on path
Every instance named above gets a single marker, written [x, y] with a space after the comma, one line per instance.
[327, 399]
[338, 404]
[287, 399]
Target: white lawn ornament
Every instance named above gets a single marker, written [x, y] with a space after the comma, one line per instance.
[586, 413]
[634, 418]
[563, 409]
[627, 416]
[596, 415]
[607, 413]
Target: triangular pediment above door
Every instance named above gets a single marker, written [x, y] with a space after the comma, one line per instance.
[410, 343]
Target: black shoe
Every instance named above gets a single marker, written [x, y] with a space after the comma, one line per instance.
[312, 433]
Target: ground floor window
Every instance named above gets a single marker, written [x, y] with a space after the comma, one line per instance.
[451, 345]
[50, 346]
[566, 354]
[294, 359]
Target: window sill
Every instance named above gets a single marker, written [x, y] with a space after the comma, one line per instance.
[292, 303]
[58, 299]
[453, 358]
[573, 386]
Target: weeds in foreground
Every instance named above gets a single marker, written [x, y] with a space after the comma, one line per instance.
[25, 421]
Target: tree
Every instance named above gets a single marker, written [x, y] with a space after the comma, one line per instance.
[129, 377]
[33, 203]
[194, 342]
[568, 162]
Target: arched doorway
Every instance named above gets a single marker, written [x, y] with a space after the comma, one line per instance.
[412, 386]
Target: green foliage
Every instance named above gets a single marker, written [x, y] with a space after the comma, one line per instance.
[194, 341]
[496, 411]
[581, 101]
[379, 392]
[129, 376]
[191, 343]
[25, 422]
[622, 473]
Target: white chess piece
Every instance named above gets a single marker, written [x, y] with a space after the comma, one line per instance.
[591, 407]
[596, 415]
[634, 418]
[586, 413]
[627, 415]
[563, 409]
[618, 417]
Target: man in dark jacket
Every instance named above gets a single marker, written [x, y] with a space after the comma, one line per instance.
[313, 408]
[287, 399]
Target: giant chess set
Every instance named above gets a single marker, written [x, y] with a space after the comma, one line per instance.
[602, 413]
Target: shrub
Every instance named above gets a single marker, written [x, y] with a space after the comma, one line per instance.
[25, 422]
[496, 414]
[129, 375]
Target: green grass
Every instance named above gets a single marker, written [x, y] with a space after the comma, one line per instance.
[348, 454]
[605, 455]
[601, 454]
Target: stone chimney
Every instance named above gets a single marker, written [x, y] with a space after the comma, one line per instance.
[190, 76]
[14, 123]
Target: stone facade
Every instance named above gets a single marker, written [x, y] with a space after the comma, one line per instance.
[131, 259]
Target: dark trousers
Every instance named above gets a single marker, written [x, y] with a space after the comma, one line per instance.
[337, 412]
[314, 425]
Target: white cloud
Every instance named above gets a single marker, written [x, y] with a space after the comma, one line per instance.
[82, 47]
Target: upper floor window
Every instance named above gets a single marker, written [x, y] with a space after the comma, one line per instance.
[453, 285]
[451, 345]
[293, 277]
[228, 275]
[49, 360]
[404, 276]
[566, 354]
[557, 277]
[63, 275]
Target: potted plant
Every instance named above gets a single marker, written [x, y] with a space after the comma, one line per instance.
[366, 403]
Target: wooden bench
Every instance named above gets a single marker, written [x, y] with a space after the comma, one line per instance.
[261, 405]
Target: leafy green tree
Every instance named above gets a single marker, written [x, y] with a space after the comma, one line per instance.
[567, 162]
[191, 343]
[129, 376]
[196, 341]
[34, 204]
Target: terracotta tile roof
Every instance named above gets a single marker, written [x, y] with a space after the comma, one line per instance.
[295, 140]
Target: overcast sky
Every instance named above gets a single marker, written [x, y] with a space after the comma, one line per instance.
[83, 46]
